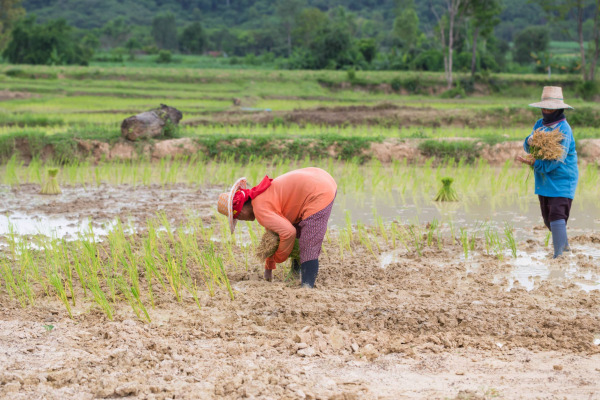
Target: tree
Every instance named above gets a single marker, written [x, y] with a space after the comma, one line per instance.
[164, 31]
[115, 33]
[10, 12]
[308, 23]
[52, 43]
[330, 46]
[193, 39]
[132, 45]
[560, 10]
[368, 49]
[287, 10]
[406, 24]
[534, 39]
[484, 17]
[448, 21]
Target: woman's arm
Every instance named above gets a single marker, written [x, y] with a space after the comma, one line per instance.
[287, 237]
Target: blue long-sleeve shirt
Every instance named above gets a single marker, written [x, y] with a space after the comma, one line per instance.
[556, 178]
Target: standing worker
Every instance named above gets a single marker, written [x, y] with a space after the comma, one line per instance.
[295, 205]
[555, 180]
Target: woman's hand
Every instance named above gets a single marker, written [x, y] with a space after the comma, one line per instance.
[529, 140]
[268, 275]
[529, 161]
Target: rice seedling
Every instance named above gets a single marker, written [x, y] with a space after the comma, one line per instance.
[464, 240]
[415, 234]
[432, 228]
[364, 239]
[452, 232]
[11, 172]
[51, 186]
[547, 239]
[510, 238]
[446, 193]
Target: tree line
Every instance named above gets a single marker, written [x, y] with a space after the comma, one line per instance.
[429, 35]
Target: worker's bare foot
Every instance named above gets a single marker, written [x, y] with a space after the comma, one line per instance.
[268, 275]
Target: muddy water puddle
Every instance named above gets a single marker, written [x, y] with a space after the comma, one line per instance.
[531, 268]
[523, 213]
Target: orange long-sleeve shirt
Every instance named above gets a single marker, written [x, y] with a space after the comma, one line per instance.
[291, 198]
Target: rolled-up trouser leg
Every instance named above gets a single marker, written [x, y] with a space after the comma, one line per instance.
[559, 236]
[310, 270]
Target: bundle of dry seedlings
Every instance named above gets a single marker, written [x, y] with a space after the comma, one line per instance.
[51, 185]
[546, 145]
[268, 246]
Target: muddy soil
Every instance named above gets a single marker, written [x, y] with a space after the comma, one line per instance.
[385, 114]
[105, 203]
[422, 327]
[428, 326]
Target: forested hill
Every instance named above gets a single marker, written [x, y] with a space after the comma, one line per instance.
[373, 15]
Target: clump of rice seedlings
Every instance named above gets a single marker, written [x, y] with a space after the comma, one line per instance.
[547, 145]
[493, 243]
[269, 243]
[510, 238]
[51, 186]
[446, 193]
[547, 239]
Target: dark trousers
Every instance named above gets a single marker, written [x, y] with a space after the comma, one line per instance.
[555, 208]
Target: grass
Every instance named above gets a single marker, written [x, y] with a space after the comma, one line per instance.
[468, 150]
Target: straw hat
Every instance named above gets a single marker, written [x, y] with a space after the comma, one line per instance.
[225, 206]
[552, 99]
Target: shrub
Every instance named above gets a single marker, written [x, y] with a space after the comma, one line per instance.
[457, 92]
[164, 57]
[413, 85]
[533, 39]
[396, 84]
[588, 90]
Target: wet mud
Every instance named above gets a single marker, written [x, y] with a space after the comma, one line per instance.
[432, 325]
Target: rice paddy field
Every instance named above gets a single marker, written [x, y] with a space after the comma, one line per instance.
[126, 282]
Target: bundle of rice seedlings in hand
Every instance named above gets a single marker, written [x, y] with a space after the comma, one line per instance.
[547, 145]
[51, 185]
[446, 193]
[268, 246]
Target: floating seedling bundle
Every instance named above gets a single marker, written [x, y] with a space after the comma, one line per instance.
[446, 193]
[547, 145]
[51, 185]
[268, 246]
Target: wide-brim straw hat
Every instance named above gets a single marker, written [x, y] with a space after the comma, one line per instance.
[225, 205]
[552, 99]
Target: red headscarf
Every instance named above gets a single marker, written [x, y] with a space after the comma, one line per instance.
[242, 195]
